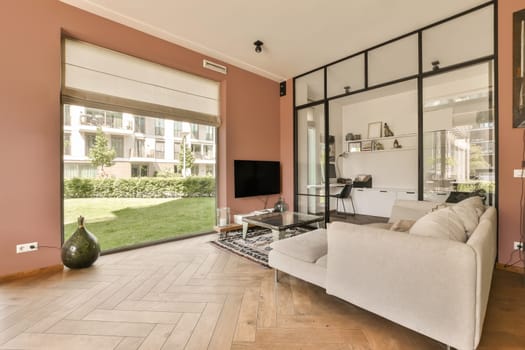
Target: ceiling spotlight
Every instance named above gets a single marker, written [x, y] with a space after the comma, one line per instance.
[258, 46]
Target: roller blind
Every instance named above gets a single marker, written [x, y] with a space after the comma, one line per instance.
[101, 78]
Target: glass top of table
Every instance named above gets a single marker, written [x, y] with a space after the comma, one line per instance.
[282, 220]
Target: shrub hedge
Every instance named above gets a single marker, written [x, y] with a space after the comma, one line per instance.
[140, 187]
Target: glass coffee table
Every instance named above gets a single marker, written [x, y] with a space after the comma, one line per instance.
[279, 222]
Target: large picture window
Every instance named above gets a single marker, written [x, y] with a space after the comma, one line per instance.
[135, 115]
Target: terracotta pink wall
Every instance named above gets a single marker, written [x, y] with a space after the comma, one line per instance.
[510, 140]
[255, 134]
[30, 33]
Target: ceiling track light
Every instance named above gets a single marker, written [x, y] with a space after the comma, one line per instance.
[258, 46]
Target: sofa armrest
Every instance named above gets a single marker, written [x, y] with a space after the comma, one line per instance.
[426, 284]
[484, 242]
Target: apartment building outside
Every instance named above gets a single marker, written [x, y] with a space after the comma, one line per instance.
[144, 146]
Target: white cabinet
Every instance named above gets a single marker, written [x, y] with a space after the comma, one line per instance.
[371, 201]
[378, 201]
[407, 195]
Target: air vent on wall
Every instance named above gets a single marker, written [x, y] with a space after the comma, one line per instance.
[214, 66]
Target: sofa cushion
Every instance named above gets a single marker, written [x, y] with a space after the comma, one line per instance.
[307, 247]
[443, 223]
[469, 210]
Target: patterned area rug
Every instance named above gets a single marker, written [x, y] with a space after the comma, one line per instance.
[256, 246]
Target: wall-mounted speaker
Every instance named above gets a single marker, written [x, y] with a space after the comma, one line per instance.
[282, 88]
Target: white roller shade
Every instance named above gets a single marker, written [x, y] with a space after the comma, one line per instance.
[103, 78]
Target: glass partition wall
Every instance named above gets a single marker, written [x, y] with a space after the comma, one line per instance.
[458, 139]
[416, 113]
[311, 159]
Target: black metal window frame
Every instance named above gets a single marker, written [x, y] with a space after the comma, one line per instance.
[419, 77]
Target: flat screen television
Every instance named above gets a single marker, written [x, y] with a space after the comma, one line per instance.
[256, 178]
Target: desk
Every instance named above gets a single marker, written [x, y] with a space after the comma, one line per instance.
[315, 196]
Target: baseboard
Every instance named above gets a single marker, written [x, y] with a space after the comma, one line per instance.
[515, 269]
[32, 273]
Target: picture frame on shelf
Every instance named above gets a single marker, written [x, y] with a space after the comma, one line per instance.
[366, 145]
[354, 147]
[375, 130]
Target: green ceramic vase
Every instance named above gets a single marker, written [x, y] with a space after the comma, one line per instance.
[280, 206]
[81, 249]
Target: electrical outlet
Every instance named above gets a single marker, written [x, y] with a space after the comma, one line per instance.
[26, 247]
[518, 246]
[519, 173]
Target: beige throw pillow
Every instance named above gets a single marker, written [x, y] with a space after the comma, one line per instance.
[475, 202]
[402, 225]
[469, 210]
[443, 223]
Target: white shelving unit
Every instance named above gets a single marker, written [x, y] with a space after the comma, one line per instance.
[407, 142]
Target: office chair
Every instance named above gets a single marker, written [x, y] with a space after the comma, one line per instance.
[345, 193]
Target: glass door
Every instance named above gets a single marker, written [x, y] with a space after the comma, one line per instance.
[310, 150]
[459, 138]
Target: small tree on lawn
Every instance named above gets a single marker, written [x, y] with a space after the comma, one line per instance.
[100, 154]
[186, 158]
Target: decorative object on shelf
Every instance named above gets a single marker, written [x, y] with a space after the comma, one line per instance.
[377, 146]
[81, 249]
[386, 131]
[374, 130]
[347, 89]
[223, 216]
[366, 145]
[396, 144]
[280, 205]
[351, 137]
[435, 65]
[354, 147]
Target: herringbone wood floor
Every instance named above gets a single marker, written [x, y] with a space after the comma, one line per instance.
[191, 295]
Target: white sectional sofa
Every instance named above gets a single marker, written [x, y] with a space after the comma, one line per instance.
[436, 286]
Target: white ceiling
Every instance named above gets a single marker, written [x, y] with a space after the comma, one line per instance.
[298, 35]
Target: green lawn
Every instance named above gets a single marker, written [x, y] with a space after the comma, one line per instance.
[119, 222]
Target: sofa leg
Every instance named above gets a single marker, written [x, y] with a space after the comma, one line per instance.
[276, 274]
